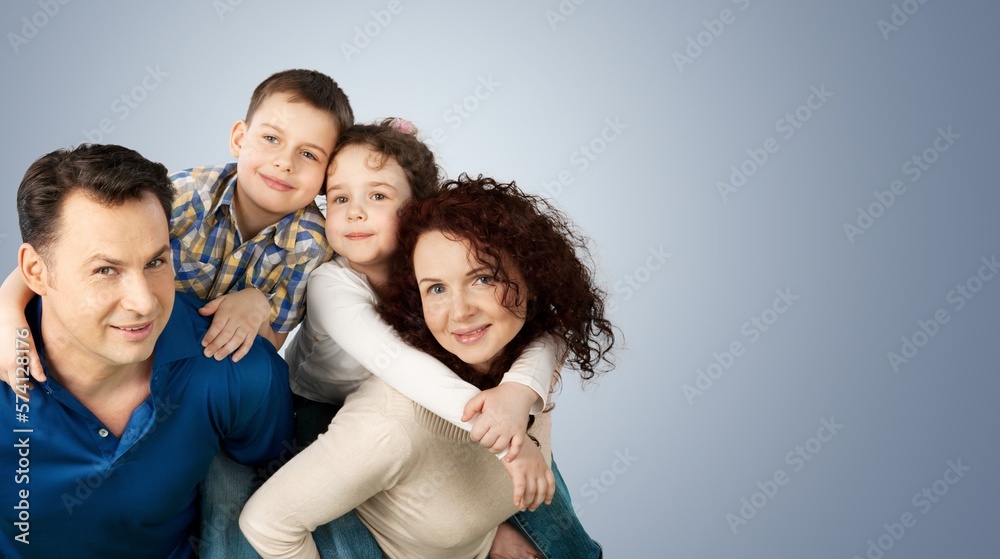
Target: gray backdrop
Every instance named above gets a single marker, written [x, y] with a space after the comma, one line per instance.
[793, 207]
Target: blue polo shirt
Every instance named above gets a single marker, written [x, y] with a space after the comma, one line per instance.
[70, 488]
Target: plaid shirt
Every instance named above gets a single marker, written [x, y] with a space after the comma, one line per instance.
[211, 260]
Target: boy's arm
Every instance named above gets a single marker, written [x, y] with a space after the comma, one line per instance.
[238, 318]
[23, 359]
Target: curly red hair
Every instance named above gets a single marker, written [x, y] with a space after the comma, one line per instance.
[505, 227]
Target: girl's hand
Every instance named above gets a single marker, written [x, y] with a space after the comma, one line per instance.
[238, 318]
[504, 418]
[534, 483]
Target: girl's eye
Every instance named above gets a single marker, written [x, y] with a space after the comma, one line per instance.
[340, 200]
[379, 196]
[270, 139]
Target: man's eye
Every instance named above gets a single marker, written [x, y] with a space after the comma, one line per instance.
[156, 263]
[105, 271]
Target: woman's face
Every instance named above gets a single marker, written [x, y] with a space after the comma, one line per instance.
[462, 302]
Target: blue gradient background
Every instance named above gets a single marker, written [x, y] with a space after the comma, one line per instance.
[654, 187]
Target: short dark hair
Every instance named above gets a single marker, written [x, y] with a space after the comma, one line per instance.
[316, 89]
[109, 174]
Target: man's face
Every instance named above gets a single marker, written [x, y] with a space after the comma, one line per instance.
[107, 284]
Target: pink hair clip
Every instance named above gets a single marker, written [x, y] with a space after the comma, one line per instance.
[404, 126]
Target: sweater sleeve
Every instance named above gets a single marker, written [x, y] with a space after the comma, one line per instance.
[341, 304]
[362, 454]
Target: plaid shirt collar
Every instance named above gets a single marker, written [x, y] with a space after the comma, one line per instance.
[284, 234]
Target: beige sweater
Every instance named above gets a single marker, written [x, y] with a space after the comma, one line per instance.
[419, 484]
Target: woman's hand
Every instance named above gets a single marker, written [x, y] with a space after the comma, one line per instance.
[534, 483]
[504, 418]
[510, 543]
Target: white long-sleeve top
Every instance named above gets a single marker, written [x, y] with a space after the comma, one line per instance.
[343, 341]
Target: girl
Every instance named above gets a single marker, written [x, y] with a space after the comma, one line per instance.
[469, 288]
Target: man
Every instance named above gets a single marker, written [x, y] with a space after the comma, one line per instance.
[105, 458]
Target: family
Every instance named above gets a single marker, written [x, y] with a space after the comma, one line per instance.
[151, 415]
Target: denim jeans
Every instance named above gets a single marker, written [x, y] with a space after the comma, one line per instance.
[554, 529]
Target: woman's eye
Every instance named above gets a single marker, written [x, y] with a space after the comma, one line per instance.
[436, 289]
[486, 280]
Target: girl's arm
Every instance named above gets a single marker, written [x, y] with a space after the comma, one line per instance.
[342, 304]
[14, 296]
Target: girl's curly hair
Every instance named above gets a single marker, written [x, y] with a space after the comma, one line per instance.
[505, 227]
[396, 139]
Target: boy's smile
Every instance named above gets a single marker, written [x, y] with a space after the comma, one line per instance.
[283, 154]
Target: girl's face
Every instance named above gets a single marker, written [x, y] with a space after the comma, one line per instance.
[362, 200]
[462, 303]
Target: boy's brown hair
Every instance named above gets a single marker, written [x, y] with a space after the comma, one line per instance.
[314, 88]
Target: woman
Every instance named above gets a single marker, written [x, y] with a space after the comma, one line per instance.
[482, 270]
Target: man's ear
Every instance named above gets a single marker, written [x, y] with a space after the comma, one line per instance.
[236, 137]
[33, 269]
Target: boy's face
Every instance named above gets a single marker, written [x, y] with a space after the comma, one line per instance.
[282, 157]
[363, 193]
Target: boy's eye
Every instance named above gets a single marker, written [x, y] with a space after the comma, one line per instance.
[309, 155]
[270, 139]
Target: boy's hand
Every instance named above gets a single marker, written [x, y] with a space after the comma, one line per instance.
[510, 543]
[533, 479]
[238, 317]
[20, 363]
[504, 417]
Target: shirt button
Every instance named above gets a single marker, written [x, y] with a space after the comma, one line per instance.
[103, 432]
